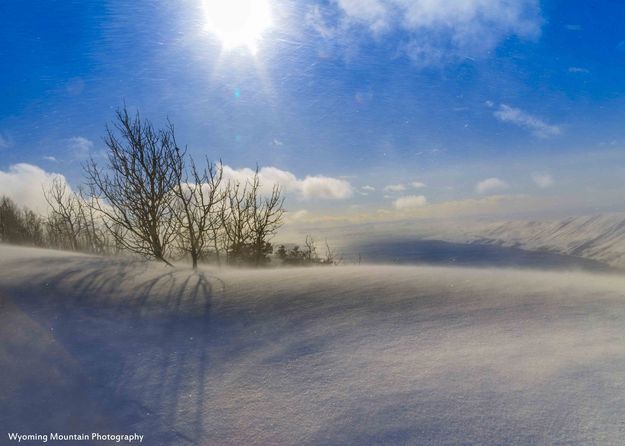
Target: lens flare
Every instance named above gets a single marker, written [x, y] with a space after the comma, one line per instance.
[237, 23]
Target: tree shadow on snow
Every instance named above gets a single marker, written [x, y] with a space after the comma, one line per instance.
[109, 344]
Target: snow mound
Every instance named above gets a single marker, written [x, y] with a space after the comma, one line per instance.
[329, 355]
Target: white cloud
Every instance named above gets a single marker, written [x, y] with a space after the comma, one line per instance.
[24, 184]
[4, 141]
[490, 185]
[309, 187]
[410, 202]
[395, 188]
[80, 146]
[518, 117]
[418, 184]
[325, 187]
[368, 188]
[50, 158]
[542, 180]
[372, 13]
[297, 216]
[578, 70]
[436, 31]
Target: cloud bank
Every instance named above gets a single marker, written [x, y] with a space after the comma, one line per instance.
[410, 202]
[490, 205]
[24, 184]
[310, 187]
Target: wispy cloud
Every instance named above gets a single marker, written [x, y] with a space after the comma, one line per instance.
[50, 158]
[418, 184]
[80, 146]
[315, 186]
[297, 216]
[542, 180]
[435, 32]
[578, 70]
[490, 205]
[4, 141]
[395, 188]
[535, 125]
[410, 202]
[316, 20]
[417, 207]
[368, 188]
[490, 185]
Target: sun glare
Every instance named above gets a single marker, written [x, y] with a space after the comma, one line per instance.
[237, 23]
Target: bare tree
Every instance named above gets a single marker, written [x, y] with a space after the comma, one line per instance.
[33, 228]
[249, 220]
[199, 195]
[66, 215]
[332, 258]
[94, 236]
[235, 216]
[136, 190]
[265, 218]
[310, 250]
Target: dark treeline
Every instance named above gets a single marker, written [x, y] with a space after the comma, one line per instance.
[152, 199]
[308, 255]
[22, 226]
[70, 227]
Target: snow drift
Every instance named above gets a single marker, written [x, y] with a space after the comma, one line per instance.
[343, 355]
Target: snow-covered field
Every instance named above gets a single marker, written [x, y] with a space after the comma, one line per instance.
[336, 355]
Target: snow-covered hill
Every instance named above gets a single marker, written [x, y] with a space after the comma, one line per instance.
[330, 355]
[600, 237]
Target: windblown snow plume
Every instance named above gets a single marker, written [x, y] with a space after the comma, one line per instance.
[343, 355]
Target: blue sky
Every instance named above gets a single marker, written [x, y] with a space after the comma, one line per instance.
[362, 109]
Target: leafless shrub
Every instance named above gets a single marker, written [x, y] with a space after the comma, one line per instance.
[308, 255]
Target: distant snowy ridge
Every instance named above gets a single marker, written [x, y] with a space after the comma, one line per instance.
[598, 237]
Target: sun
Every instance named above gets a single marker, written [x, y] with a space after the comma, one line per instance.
[237, 23]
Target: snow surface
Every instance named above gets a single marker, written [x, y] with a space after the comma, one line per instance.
[328, 355]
